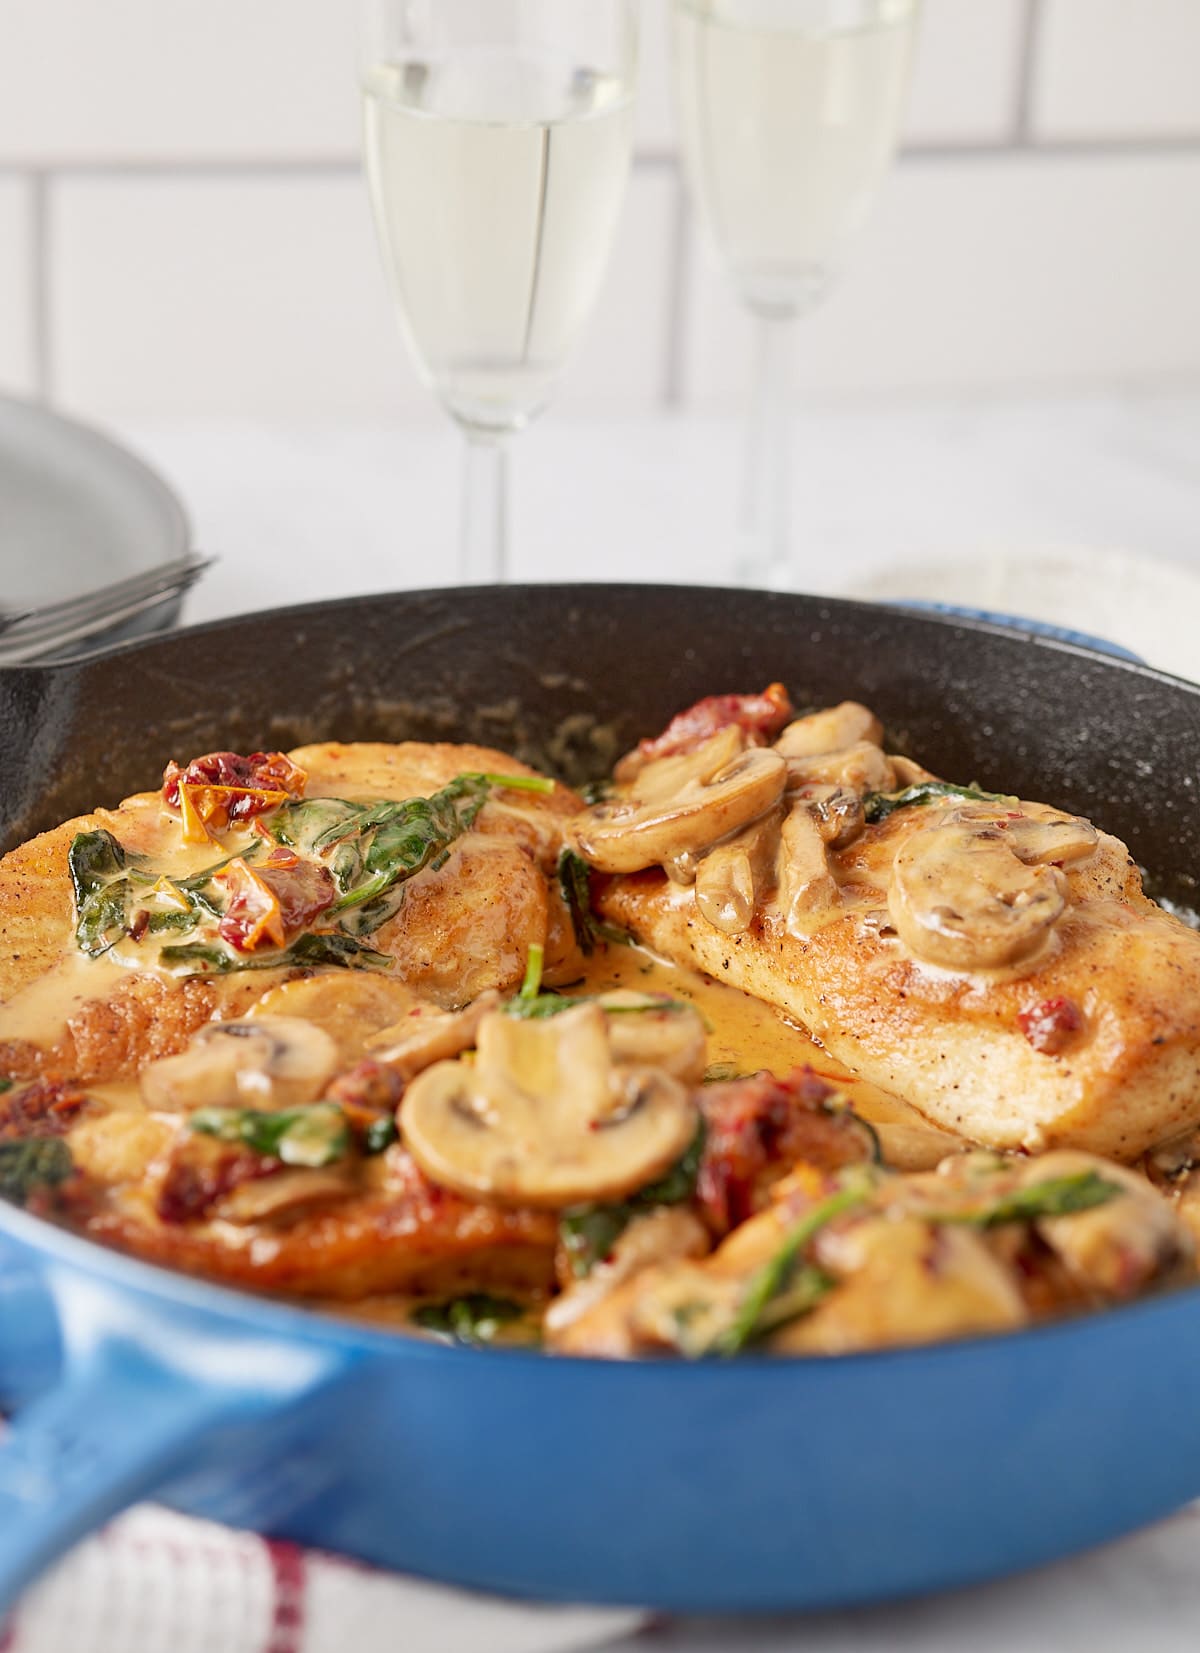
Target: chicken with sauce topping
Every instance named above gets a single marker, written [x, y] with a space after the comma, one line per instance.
[342, 1024]
[992, 961]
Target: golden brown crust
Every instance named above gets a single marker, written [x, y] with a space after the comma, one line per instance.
[953, 1044]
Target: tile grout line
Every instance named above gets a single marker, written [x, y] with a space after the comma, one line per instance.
[920, 151]
[1027, 64]
[39, 274]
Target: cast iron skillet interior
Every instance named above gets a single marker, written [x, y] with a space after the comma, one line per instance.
[568, 677]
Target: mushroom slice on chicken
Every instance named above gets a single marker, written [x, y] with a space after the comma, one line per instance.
[265, 1062]
[732, 878]
[428, 1035]
[679, 807]
[806, 885]
[350, 1005]
[545, 1116]
[831, 730]
[650, 1032]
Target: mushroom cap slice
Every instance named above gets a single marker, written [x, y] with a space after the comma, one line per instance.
[961, 895]
[267, 1062]
[681, 806]
[544, 1117]
[807, 889]
[831, 730]
[645, 1032]
[350, 1005]
[859, 768]
[732, 878]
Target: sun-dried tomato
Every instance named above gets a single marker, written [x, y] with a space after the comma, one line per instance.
[274, 901]
[223, 787]
[199, 1176]
[760, 715]
[366, 1091]
[48, 1107]
[1051, 1026]
[758, 1129]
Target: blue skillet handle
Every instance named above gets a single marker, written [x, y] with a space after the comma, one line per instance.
[144, 1394]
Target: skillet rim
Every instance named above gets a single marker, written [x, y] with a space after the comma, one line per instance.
[845, 605]
[307, 1323]
[294, 1318]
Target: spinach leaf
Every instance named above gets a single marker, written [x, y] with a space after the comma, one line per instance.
[30, 1164]
[382, 845]
[589, 1232]
[538, 1007]
[97, 864]
[474, 1319]
[531, 985]
[1055, 1197]
[788, 1285]
[380, 1134]
[209, 959]
[311, 1137]
[6, 1084]
[575, 888]
[877, 806]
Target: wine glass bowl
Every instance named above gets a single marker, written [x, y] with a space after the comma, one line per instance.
[790, 113]
[498, 139]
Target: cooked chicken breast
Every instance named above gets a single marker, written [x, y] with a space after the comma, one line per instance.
[993, 962]
[463, 927]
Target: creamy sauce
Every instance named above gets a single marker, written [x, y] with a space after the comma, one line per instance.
[39, 1013]
[745, 1035]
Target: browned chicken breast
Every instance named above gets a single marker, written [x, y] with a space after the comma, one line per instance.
[993, 962]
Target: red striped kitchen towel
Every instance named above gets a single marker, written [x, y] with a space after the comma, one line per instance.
[155, 1582]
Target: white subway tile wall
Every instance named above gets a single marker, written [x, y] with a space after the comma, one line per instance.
[1118, 68]
[1031, 286]
[183, 231]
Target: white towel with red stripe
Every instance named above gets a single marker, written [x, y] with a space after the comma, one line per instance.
[155, 1582]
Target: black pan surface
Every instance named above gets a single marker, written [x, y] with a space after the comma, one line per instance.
[570, 676]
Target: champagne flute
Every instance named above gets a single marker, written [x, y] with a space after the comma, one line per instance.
[790, 113]
[498, 137]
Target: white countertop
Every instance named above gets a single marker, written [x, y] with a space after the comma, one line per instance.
[1103, 486]
[302, 515]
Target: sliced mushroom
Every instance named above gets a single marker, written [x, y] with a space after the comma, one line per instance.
[681, 806]
[807, 887]
[962, 897]
[646, 1033]
[1059, 839]
[287, 1194]
[351, 1005]
[908, 772]
[428, 1035]
[544, 1117]
[660, 1236]
[838, 811]
[732, 878]
[860, 768]
[270, 1062]
[830, 731]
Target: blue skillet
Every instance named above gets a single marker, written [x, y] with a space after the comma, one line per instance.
[750, 1485]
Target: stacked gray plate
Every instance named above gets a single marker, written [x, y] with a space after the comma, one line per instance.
[77, 511]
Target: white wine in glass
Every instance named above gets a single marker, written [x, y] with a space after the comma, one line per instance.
[790, 112]
[498, 139]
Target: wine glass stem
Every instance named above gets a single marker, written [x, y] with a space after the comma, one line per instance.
[767, 506]
[484, 553]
